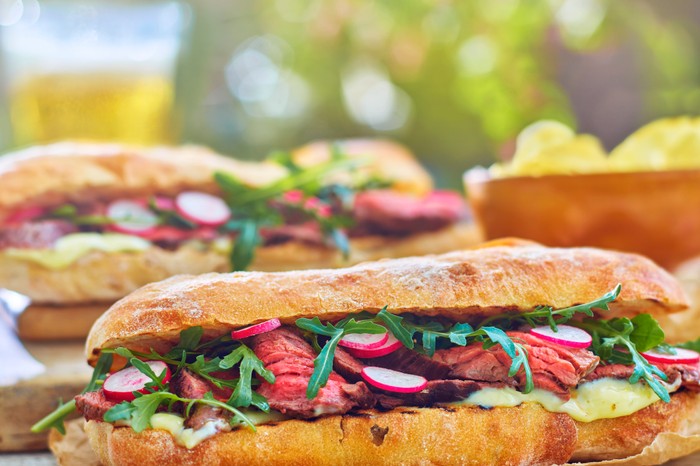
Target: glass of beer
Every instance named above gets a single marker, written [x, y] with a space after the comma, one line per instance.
[93, 71]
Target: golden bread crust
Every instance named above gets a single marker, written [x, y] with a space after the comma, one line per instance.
[626, 436]
[390, 161]
[107, 277]
[460, 285]
[426, 436]
[80, 172]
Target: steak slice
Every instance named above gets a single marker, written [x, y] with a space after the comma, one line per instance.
[94, 405]
[35, 235]
[555, 368]
[393, 213]
[412, 362]
[614, 371]
[688, 373]
[347, 365]
[582, 360]
[290, 358]
[187, 385]
[473, 362]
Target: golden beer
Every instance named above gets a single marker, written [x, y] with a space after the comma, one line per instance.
[99, 106]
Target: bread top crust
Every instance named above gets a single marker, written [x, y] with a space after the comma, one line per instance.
[463, 285]
[75, 171]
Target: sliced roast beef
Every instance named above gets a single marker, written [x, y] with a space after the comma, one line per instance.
[287, 355]
[347, 365]
[187, 385]
[581, 360]
[412, 362]
[614, 371]
[35, 235]
[554, 367]
[393, 213]
[688, 373]
[473, 362]
[94, 405]
[308, 233]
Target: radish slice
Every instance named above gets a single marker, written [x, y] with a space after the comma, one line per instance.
[566, 336]
[202, 208]
[24, 215]
[164, 203]
[121, 385]
[364, 341]
[131, 217]
[682, 356]
[391, 345]
[393, 381]
[256, 329]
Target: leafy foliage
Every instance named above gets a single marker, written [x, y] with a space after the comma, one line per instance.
[57, 418]
[254, 208]
[323, 363]
[621, 340]
[691, 345]
[546, 315]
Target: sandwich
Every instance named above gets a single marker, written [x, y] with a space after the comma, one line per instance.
[511, 353]
[82, 225]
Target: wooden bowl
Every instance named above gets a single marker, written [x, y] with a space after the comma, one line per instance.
[656, 214]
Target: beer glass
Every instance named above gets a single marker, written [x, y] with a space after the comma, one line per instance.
[92, 71]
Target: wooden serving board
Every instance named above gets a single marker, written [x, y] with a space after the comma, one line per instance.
[24, 403]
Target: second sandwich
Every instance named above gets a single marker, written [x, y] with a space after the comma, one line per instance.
[82, 225]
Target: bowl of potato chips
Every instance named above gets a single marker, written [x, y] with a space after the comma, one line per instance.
[564, 189]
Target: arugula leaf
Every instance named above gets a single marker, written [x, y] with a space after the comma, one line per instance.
[613, 341]
[394, 323]
[245, 244]
[691, 345]
[546, 315]
[647, 333]
[57, 417]
[515, 351]
[404, 328]
[70, 212]
[140, 410]
[242, 395]
[323, 363]
[121, 412]
[254, 207]
[146, 369]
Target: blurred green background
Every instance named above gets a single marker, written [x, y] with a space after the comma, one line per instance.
[454, 80]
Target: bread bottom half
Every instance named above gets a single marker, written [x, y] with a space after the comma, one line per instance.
[107, 277]
[464, 435]
[68, 322]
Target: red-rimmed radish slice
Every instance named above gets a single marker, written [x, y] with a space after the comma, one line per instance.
[566, 336]
[393, 381]
[164, 203]
[24, 215]
[170, 233]
[682, 356]
[202, 208]
[121, 385]
[364, 340]
[391, 345]
[131, 217]
[256, 329]
[293, 197]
